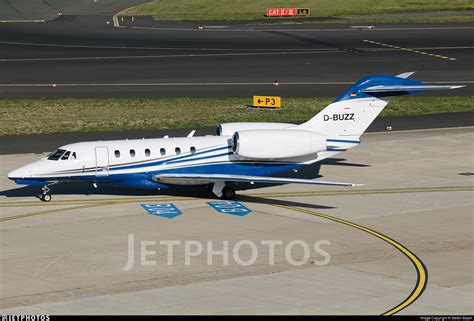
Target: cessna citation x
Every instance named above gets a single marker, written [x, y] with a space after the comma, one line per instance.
[240, 152]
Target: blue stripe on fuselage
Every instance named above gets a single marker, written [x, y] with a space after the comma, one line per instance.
[248, 169]
[143, 164]
[166, 161]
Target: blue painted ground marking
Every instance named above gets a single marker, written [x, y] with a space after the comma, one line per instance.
[230, 207]
[166, 210]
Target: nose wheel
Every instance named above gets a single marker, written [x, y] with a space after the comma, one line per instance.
[45, 196]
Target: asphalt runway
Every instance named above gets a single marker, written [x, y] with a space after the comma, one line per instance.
[400, 244]
[87, 58]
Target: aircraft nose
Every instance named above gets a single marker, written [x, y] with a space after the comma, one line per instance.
[18, 174]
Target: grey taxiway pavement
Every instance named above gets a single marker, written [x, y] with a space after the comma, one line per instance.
[402, 243]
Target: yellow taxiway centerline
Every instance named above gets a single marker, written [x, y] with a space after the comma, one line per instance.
[14, 217]
[275, 194]
[409, 50]
[422, 272]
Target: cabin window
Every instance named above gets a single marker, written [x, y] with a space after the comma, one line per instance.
[117, 154]
[162, 151]
[192, 150]
[66, 155]
[132, 153]
[177, 150]
[147, 152]
[56, 154]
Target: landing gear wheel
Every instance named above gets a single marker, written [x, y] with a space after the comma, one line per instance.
[45, 197]
[228, 193]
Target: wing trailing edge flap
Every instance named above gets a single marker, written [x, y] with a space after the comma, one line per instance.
[214, 178]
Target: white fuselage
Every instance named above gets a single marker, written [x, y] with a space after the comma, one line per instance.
[104, 160]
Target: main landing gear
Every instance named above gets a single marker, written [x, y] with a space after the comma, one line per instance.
[45, 196]
[228, 193]
[221, 190]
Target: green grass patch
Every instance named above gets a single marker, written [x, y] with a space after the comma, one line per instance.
[251, 9]
[19, 117]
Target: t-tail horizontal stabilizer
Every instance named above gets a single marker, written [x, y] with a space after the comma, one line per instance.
[349, 116]
[407, 88]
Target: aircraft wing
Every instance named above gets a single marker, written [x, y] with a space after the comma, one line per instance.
[170, 178]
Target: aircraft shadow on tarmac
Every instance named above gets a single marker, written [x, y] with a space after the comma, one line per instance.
[341, 162]
[82, 188]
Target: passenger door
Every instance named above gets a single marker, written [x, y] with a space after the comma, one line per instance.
[101, 161]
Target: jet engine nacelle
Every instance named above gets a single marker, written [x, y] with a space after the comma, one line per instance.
[277, 144]
[229, 129]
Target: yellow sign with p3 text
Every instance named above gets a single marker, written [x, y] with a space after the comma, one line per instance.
[267, 101]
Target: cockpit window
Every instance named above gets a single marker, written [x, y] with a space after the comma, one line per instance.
[66, 155]
[56, 154]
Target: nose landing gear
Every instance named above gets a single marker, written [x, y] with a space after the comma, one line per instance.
[45, 196]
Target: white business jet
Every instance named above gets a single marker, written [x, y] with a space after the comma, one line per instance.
[240, 152]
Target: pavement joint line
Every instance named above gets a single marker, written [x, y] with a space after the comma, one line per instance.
[21, 21]
[207, 49]
[278, 194]
[421, 270]
[409, 50]
[330, 83]
[175, 56]
[150, 48]
[419, 130]
[262, 52]
[301, 30]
